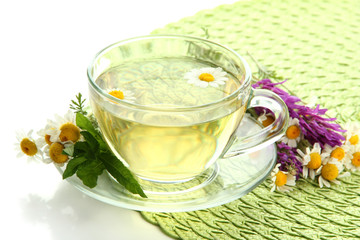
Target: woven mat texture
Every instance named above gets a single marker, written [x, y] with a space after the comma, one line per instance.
[316, 45]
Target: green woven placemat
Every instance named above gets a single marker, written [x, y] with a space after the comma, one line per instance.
[316, 45]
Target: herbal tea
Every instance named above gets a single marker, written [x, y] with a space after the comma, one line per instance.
[165, 145]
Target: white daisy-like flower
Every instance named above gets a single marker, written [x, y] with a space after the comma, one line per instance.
[54, 153]
[27, 146]
[311, 160]
[205, 77]
[63, 129]
[281, 181]
[43, 133]
[266, 119]
[352, 135]
[338, 152]
[125, 95]
[352, 162]
[330, 171]
[293, 134]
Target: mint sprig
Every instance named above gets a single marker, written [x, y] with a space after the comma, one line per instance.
[92, 156]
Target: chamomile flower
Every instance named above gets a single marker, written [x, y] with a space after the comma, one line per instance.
[329, 172]
[266, 119]
[293, 133]
[27, 146]
[311, 160]
[63, 129]
[352, 134]
[124, 95]
[281, 181]
[337, 152]
[54, 153]
[205, 77]
[352, 162]
[43, 134]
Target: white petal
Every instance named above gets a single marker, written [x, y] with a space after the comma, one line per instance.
[47, 160]
[292, 143]
[318, 171]
[220, 82]
[300, 152]
[20, 154]
[213, 84]
[203, 84]
[326, 183]
[345, 174]
[321, 182]
[284, 139]
[305, 172]
[336, 182]
[312, 174]
[291, 183]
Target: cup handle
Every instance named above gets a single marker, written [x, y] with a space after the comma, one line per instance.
[267, 135]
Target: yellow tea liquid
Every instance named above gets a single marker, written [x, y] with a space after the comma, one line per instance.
[159, 145]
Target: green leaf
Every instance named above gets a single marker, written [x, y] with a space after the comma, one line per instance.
[80, 148]
[117, 169]
[89, 171]
[69, 150]
[72, 166]
[90, 139]
[85, 124]
[79, 105]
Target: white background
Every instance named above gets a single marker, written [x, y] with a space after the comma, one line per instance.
[45, 47]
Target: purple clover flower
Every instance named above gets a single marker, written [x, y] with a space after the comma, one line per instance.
[313, 125]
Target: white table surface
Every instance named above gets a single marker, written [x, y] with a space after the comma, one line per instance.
[44, 52]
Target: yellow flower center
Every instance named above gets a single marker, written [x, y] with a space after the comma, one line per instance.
[338, 153]
[28, 147]
[329, 171]
[356, 159]
[47, 139]
[269, 120]
[55, 153]
[354, 140]
[207, 77]
[315, 161]
[281, 179]
[293, 132]
[117, 93]
[69, 132]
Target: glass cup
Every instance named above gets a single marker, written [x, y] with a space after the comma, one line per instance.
[169, 106]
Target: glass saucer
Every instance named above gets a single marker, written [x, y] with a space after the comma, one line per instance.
[227, 180]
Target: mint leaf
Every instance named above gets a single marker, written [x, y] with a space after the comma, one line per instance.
[69, 150]
[89, 171]
[117, 169]
[72, 166]
[85, 124]
[90, 139]
[92, 156]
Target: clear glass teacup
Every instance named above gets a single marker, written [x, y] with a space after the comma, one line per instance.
[169, 106]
